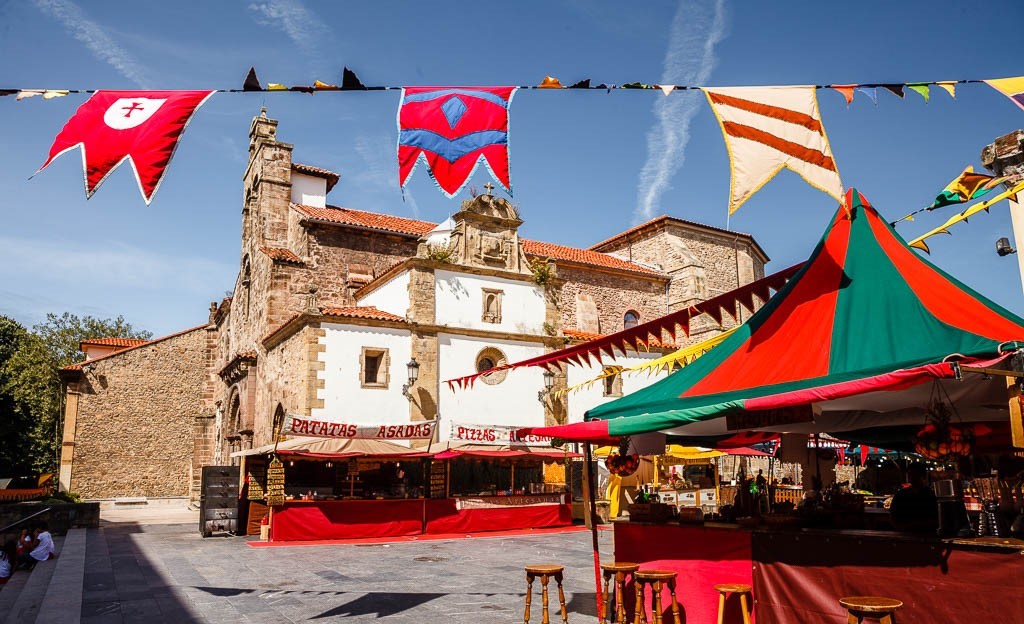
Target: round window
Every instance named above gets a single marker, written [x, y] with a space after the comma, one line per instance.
[487, 359]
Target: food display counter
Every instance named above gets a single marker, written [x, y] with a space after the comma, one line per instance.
[798, 575]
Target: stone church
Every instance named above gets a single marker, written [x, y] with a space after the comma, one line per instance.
[333, 307]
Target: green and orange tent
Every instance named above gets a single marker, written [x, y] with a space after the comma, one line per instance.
[862, 335]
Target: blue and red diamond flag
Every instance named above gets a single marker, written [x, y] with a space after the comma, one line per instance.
[452, 130]
[142, 127]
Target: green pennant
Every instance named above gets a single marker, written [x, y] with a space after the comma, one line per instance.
[922, 89]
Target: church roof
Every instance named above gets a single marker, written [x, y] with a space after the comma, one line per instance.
[77, 366]
[664, 219]
[363, 312]
[331, 177]
[113, 342]
[414, 227]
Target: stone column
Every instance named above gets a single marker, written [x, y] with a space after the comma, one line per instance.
[1005, 157]
[67, 449]
[423, 405]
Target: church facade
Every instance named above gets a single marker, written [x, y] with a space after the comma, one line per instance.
[333, 308]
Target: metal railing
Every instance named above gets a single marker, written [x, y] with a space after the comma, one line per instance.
[25, 519]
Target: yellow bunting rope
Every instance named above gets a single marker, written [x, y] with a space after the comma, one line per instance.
[683, 356]
[918, 243]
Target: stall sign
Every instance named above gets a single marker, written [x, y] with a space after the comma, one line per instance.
[332, 429]
[494, 434]
[275, 483]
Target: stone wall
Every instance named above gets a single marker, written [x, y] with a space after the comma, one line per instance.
[614, 294]
[290, 378]
[135, 420]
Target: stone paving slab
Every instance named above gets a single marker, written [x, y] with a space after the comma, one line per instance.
[167, 573]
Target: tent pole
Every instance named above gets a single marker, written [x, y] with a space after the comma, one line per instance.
[589, 491]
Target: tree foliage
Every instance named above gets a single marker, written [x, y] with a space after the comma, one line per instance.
[31, 395]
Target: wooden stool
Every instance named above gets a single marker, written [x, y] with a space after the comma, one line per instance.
[619, 570]
[654, 578]
[723, 594]
[877, 607]
[544, 572]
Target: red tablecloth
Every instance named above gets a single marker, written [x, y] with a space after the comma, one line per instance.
[702, 558]
[444, 517]
[326, 520]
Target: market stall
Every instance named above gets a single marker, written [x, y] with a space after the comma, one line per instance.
[493, 487]
[337, 489]
[872, 343]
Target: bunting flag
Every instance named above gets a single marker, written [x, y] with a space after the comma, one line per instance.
[846, 91]
[666, 363]
[949, 86]
[918, 243]
[921, 89]
[965, 187]
[351, 82]
[895, 89]
[768, 128]
[251, 82]
[666, 89]
[142, 127]
[871, 92]
[452, 130]
[1012, 88]
[550, 83]
[645, 335]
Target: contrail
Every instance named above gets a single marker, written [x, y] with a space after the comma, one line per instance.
[95, 38]
[690, 59]
[302, 26]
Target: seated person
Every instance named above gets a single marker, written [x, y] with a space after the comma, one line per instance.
[5, 563]
[42, 547]
[915, 509]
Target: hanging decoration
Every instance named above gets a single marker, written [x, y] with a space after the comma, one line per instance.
[918, 243]
[668, 362]
[846, 91]
[675, 325]
[966, 187]
[941, 441]
[622, 463]
[142, 127]
[452, 130]
[1012, 88]
[768, 128]
[922, 90]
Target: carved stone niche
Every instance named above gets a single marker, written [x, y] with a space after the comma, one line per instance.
[493, 248]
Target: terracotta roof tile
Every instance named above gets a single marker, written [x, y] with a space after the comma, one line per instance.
[363, 312]
[575, 334]
[372, 220]
[583, 256]
[114, 342]
[413, 227]
[281, 255]
[331, 177]
[655, 222]
[77, 366]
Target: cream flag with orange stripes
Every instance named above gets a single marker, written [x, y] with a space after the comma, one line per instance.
[768, 128]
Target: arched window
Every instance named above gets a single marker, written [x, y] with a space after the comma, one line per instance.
[246, 282]
[630, 319]
[235, 414]
[487, 359]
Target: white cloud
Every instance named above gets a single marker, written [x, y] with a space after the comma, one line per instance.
[690, 59]
[301, 25]
[94, 37]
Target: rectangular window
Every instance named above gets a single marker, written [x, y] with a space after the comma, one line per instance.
[373, 368]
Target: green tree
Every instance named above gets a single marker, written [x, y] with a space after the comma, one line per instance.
[15, 419]
[32, 380]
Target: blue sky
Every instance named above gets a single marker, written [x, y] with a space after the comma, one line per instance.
[585, 165]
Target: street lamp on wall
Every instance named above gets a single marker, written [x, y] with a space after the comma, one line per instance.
[413, 370]
[549, 381]
[1003, 247]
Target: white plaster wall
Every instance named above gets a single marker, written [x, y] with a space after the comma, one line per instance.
[512, 402]
[392, 296]
[344, 399]
[587, 398]
[309, 190]
[459, 300]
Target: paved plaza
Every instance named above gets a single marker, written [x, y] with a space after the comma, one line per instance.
[153, 573]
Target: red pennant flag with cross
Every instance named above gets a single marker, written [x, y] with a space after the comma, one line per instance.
[142, 127]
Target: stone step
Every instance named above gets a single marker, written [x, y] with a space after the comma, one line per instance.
[63, 605]
[26, 608]
[12, 589]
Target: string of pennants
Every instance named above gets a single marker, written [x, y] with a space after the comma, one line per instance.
[663, 331]
[453, 130]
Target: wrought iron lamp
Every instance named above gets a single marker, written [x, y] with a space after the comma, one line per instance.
[549, 381]
[1003, 247]
[413, 369]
